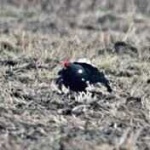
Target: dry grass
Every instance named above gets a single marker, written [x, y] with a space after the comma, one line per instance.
[36, 37]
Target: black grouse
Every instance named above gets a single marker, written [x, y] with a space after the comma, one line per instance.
[77, 75]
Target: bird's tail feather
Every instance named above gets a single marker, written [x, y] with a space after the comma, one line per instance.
[109, 89]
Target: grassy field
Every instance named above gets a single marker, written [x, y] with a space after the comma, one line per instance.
[35, 36]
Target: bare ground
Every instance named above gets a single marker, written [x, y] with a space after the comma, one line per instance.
[35, 36]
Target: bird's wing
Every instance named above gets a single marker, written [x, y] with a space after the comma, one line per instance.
[94, 74]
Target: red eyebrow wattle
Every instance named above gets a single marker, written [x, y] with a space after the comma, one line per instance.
[65, 63]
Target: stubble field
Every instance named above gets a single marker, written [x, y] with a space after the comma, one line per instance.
[35, 36]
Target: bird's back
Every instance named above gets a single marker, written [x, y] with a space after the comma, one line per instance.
[95, 76]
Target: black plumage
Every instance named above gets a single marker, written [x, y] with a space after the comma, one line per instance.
[77, 75]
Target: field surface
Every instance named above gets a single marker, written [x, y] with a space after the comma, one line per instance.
[35, 36]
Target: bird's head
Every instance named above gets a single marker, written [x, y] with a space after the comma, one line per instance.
[66, 63]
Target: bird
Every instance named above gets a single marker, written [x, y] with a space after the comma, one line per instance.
[78, 75]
